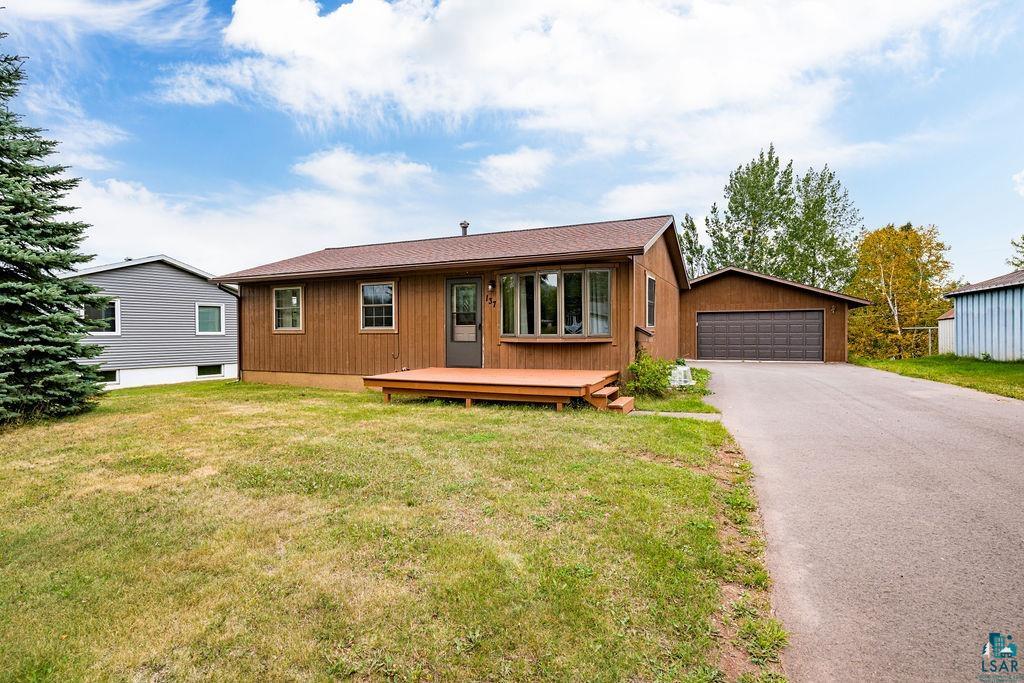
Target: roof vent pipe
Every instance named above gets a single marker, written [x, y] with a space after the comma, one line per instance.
[465, 227]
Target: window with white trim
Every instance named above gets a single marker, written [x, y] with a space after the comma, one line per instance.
[651, 285]
[210, 319]
[377, 305]
[209, 370]
[287, 309]
[107, 317]
[556, 303]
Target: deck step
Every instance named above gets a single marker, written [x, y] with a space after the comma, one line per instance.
[606, 392]
[623, 404]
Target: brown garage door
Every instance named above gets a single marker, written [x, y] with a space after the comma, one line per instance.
[760, 335]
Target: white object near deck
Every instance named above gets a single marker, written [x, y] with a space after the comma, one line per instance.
[681, 377]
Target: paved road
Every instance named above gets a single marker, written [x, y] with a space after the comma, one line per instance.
[894, 511]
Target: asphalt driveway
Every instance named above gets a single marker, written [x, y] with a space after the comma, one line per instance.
[894, 512]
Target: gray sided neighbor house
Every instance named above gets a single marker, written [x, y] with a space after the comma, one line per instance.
[165, 323]
[989, 318]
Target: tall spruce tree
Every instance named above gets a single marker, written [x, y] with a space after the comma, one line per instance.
[41, 322]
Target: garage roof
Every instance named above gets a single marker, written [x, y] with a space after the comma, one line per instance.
[948, 315]
[854, 302]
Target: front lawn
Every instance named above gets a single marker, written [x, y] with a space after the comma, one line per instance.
[683, 400]
[1005, 379]
[252, 532]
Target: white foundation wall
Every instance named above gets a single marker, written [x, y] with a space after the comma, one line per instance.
[142, 377]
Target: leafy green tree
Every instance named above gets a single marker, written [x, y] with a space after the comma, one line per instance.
[759, 204]
[800, 228]
[41, 323]
[817, 246]
[904, 271]
[694, 253]
[1016, 260]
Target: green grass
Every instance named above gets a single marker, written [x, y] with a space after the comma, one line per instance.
[994, 377]
[684, 400]
[239, 531]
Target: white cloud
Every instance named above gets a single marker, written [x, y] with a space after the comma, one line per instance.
[82, 139]
[143, 21]
[688, 191]
[1018, 182]
[224, 232]
[619, 74]
[344, 170]
[516, 171]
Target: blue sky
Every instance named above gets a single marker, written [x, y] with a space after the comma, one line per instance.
[231, 134]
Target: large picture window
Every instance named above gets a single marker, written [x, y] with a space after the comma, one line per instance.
[288, 309]
[378, 305]
[570, 303]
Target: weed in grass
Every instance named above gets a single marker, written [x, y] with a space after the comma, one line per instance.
[763, 639]
[705, 674]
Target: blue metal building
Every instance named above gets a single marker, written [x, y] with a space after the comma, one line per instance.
[990, 317]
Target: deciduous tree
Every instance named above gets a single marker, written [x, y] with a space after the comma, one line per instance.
[694, 252]
[817, 245]
[800, 228]
[759, 203]
[1016, 260]
[904, 271]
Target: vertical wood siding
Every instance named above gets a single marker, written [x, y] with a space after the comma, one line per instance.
[738, 292]
[331, 342]
[991, 322]
[657, 262]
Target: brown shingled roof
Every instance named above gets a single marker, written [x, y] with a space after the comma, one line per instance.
[1014, 279]
[608, 238]
[948, 315]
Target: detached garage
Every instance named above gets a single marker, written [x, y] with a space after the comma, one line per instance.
[737, 314]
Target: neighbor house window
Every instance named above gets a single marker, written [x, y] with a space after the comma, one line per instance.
[107, 317]
[377, 301]
[210, 319]
[288, 309]
[651, 282]
[556, 303]
[107, 376]
[209, 370]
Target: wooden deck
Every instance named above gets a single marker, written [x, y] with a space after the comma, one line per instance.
[499, 384]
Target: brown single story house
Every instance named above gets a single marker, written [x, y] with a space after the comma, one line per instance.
[573, 297]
